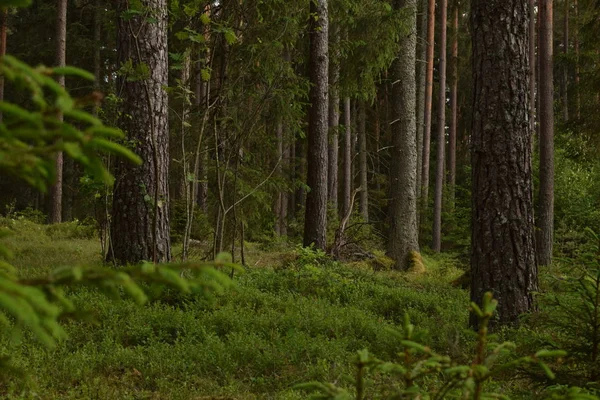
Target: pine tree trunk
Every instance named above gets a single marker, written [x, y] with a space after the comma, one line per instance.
[577, 72]
[421, 86]
[545, 223]
[453, 106]
[404, 237]
[315, 222]
[56, 191]
[362, 139]
[278, 170]
[532, 63]
[347, 156]
[565, 69]
[441, 134]
[334, 120]
[502, 240]
[140, 224]
[428, 109]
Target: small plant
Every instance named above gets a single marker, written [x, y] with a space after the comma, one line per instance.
[423, 374]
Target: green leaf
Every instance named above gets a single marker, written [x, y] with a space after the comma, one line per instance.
[73, 71]
[15, 3]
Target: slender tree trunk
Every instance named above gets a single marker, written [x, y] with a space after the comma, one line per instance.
[565, 69]
[404, 237]
[362, 139]
[453, 105]
[97, 45]
[283, 211]
[315, 222]
[56, 191]
[532, 63]
[300, 172]
[334, 120]
[545, 224]
[140, 224]
[347, 156]
[293, 171]
[436, 244]
[502, 239]
[577, 71]
[421, 86]
[428, 108]
[278, 170]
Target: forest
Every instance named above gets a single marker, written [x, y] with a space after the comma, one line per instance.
[300, 199]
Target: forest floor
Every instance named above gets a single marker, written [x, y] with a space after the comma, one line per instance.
[292, 317]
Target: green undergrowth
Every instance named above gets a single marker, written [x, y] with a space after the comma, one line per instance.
[295, 316]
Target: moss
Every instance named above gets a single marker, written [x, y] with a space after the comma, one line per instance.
[415, 263]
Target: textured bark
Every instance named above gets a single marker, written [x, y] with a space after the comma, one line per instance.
[428, 108]
[403, 236]
[347, 195]
[436, 244]
[453, 105]
[315, 222]
[502, 240]
[421, 85]
[363, 168]
[545, 224]
[140, 224]
[334, 120]
[565, 69]
[577, 72]
[532, 63]
[56, 191]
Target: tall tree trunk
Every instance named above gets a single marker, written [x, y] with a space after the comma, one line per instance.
[565, 69]
[453, 105]
[278, 171]
[502, 239]
[300, 173]
[283, 210]
[363, 169]
[404, 236]
[315, 222]
[56, 191]
[532, 63]
[140, 224]
[428, 108]
[347, 196]
[334, 119]
[436, 244]
[545, 224]
[577, 71]
[421, 86]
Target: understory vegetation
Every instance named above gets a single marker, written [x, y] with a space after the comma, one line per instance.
[294, 316]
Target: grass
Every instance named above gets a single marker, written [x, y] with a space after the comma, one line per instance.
[294, 317]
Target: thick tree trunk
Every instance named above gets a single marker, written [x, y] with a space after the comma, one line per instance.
[428, 108]
[453, 106]
[56, 191]
[140, 224]
[565, 69]
[3, 23]
[421, 86]
[436, 244]
[334, 121]
[315, 222]
[403, 236]
[363, 169]
[502, 255]
[347, 196]
[545, 225]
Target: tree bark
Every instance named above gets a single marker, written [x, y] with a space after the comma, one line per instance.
[347, 197]
[577, 72]
[334, 120]
[532, 63]
[453, 106]
[421, 86]
[436, 244]
[403, 236]
[56, 191]
[428, 108]
[546, 92]
[502, 239]
[140, 224]
[565, 69]
[3, 26]
[363, 169]
[315, 222]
